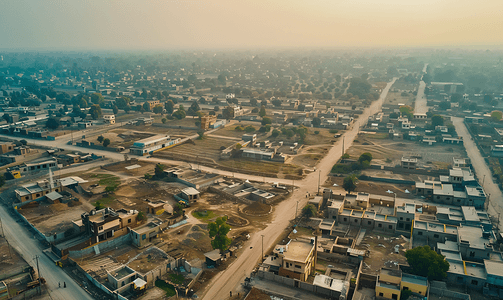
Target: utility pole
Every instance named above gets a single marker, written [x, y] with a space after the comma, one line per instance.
[262, 246]
[3, 235]
[296, 209]
[38, 272]
[343, 145]
[319, 177]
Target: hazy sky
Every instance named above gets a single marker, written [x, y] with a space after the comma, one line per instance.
[133, 24]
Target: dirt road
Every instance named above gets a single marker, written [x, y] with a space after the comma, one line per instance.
[482, 171]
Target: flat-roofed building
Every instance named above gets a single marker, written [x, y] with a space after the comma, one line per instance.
[298, 258]
[207, 121]
[151, 144]
[6, 147]
[109, 119]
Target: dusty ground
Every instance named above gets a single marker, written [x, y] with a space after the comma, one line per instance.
[208, 148]
[375, 188]
[389, 152]
[120, 169]
[382, 253]
[52, 218]
[9, 258]
[397, 98]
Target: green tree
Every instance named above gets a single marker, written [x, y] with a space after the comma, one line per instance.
[95, 111]
[316, 122]
[115, 109]
[179, 114]
[365, 157]
[147, 176]
[427, 263]
[266, 121]
[164, 120]
[177, 210]
[141, 216]
[52, 123]
[349, 183]
[146, 106]
[218, 231]
[227, 113]
[169, 106]
[159, 170]
[122, 102]
[309, 211]
[496, 115]
[158, 109]
[106, 142]
[277, 102]
[274, 133]
[83, 103]
[262, 111]
[100, 139]
[437, 120]
[97, 98]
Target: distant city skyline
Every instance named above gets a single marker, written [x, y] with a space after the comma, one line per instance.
[156, 24]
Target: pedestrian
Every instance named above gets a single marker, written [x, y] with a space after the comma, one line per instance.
[64, 284]
[230, 293]
[59, 283]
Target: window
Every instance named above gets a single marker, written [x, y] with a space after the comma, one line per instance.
[369, 222]
[405, 288]
[408, 219]
[143, 236]
[438, 197]
[394, 296]
[379, 225]
[297, 266]
[472, 254]
[435, 236]
[356, 220]
[401, 218]
[390, 226]
[38, 195]
[100, 228]
[129, 220]
[475, 282]
[420, 233]
[381, 294]
[460, 279]
[345, 219]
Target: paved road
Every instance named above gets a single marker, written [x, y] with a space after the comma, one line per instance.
[230, 279]
[29, 247]
[421, 106]
[482, 171]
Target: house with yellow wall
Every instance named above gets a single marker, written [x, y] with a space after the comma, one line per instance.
[391, 282]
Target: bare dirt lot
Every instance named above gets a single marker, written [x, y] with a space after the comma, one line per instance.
[389, 152]
[375, 188]
[382, 251]
[207, 148]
